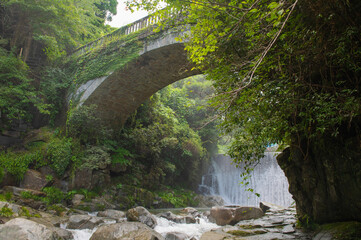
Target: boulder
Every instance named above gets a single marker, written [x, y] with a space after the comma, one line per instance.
[140, 214]
[190, 211]
[177, 219]
[33, 180]
[77, 199]
[23, 229]
[82, 179]
[126, 230]
[265, 206]
[100, 178]
[176, 236]
[84, 222]
[113, 214]
[8, 179]
[230, 215]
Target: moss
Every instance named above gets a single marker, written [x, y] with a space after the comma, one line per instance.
[344, 230]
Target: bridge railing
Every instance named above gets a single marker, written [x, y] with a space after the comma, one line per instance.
[140, 24]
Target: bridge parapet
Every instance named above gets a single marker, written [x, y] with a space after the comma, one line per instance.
[145, 22]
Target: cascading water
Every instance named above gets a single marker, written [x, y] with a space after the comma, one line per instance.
[267, 179]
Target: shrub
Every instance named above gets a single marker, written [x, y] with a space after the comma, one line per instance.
[96, 157]
[83, 123]
[59, 154]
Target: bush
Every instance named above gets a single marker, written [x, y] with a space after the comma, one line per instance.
[18, 163]
[83, 123]
[96, 157]
[59, 154]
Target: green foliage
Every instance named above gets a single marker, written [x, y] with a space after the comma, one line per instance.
[29, 195]
[59, 209]
[54, 85]
[59, 154]
[6, 197]
[84, 124]
[5, 211]
[284, 72]
[17, 163]
[96, 157]
[53, 195]
[103, 57]
[16, 91]
[177, 197]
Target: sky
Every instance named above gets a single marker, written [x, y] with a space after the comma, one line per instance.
[124, 16]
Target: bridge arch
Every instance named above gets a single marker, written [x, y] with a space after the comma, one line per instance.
[161, 62]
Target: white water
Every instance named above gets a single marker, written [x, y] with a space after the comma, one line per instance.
[163, 227]
[267, 179]
[191, 230]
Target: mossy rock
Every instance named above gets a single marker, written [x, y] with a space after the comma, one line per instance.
[343, 230]
[246, 233]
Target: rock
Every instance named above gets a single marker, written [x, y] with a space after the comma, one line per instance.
[209, 201]
[190, 211]
[264, 207]
[325, 184]
[63, 233]
[77, 199]
[140, 214]
[100, 178]
[34, 180]
[232, 214]
[126, 230]
[84, 222]
[214, 236]
[177, 219]
[23, 229]
[82, 179]
[17, 191]
[176, 236]
[288, 229]
[8, 179]
[114, 214]
[8, 141]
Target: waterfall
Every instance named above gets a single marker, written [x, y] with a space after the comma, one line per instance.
[267, 179]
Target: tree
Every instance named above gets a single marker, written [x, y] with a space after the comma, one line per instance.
[286, 72]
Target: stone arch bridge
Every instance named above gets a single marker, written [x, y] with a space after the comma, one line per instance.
[158, 61]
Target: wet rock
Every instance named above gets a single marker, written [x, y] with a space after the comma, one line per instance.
[114, 214]
[176, 236]
[126, 230]
[288, 229]
[84, 222]
[190, 211]
[177, 219]
[140, 214]
[20, 228]
[233, 214]
[63, 233]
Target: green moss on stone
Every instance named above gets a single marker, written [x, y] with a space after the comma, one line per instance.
[344, 230]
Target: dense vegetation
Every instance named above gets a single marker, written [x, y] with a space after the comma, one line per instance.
[285, 72]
